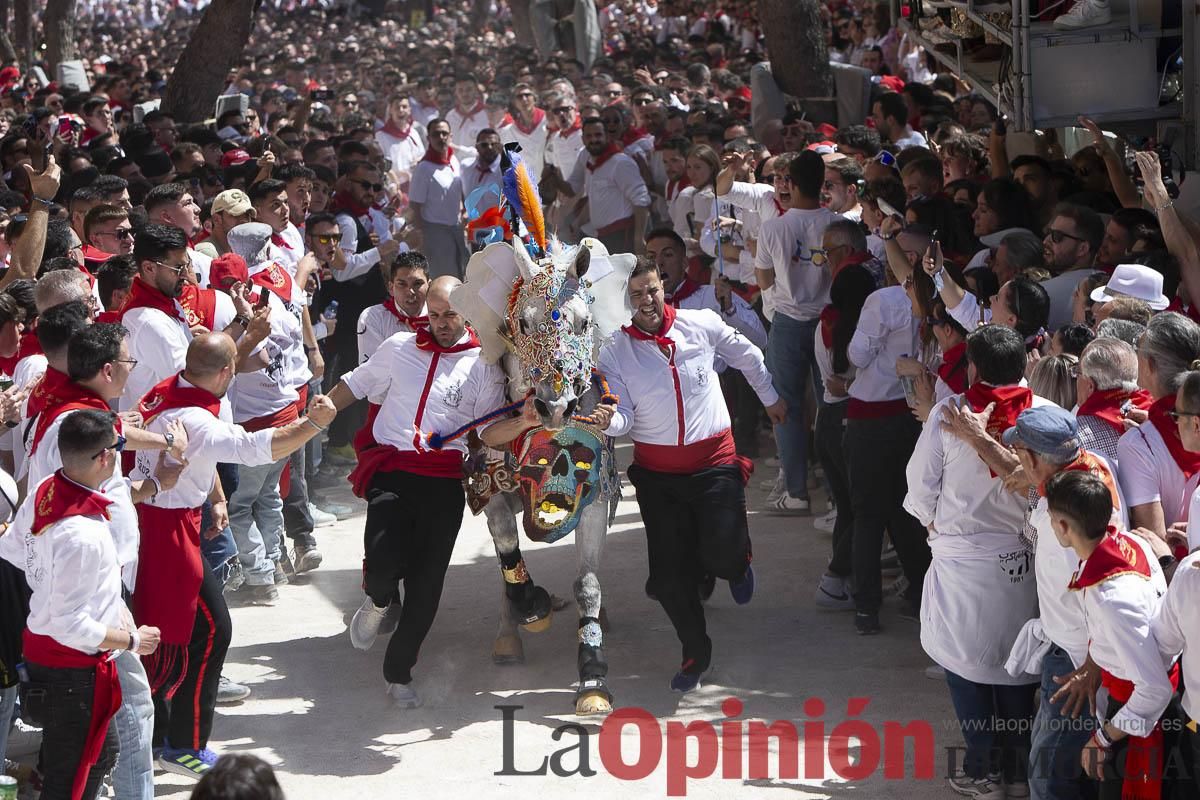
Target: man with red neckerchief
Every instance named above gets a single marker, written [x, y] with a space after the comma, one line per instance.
[78, 621]
[431, 382]
[402, 138]
[690, 481]
[618, 202]
[1106, 389]
[564, 143]
[528, 129]
[436, 201]
[469, 115]
[1121, 588]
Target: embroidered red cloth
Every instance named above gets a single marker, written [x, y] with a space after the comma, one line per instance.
[60, 498]
[58, 394]
[953, 369]
[168, 394]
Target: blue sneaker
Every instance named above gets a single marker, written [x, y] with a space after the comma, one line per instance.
[189, 763]
[687, 680]
[743, 590]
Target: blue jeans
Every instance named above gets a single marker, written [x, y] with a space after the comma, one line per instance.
[8, 704]
[793, 371]
[256, 517]
[995, 723]
[220, 549]
[133, 775]
[1054, 771]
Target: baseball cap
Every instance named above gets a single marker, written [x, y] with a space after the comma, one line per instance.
[232, 201]
[227, 270]
[234, 158]
[1046, 430]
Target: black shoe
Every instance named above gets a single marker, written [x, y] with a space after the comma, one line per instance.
[866, 624]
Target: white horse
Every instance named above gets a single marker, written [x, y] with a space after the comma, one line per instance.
[544, 323]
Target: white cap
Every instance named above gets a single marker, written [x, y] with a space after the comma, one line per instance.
[1137, 281]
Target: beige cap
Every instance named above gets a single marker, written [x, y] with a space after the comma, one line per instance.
[233, 201]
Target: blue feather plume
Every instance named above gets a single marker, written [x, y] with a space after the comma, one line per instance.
[511, 193]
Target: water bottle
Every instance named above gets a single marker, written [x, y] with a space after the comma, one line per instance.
[330, 311]
[910, 388]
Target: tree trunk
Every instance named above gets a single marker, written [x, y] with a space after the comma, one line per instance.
[23, 32]
[522, 24]
[7, 51]
[795, 38]
[480, 13]
[203, 66]
[58, 25]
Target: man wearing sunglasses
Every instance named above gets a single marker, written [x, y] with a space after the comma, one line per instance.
[1072, 241]
[529, 128]
[563, 146]
[108, 233]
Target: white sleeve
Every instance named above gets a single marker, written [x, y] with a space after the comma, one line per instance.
[632, 185]
[870, 335]
[762, 258]
[1127, 627]
[373, 377]
[69, 619]
[622, 419]
[924, 471]
[749, 196]
[491, 390]
[356, 263]
[741, 354]
[418, 186]
[1136, 470]
[966, 313]
[578, 176]
[745, 320]
[1180, 602]
[368, 338]
[235, 444]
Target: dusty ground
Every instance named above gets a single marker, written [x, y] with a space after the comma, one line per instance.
[319, 713]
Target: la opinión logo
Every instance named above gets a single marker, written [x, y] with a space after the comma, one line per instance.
[855, 749]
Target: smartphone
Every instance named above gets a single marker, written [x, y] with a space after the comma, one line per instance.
[67, 127]
[264, 297]
[321, 95]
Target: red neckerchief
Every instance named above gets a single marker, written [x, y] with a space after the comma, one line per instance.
[677, 186]
[829, 317]
[425, 341]
[575, 126]
[608, 153]
[778, 207]
[392, 129]
[660, 338]
[277, 239]
[343, 201]
[202, 236]
[1106, 405]
[60, 498]
[415, 323]
[1010, 401]
[686, 288]
[1188, 463]
[66, 396]
[168, 394]
[1115, 555]
[468, 114]
[1190, 311]
[506, 121]
[143, 295]
[538, 116]
[433, 157]
[199, 306]
[486, 169]
[632, 135]
[1086, 462]
[275, 279]
[29, 345]
[953, 369]
[854, 259]
[94, 255]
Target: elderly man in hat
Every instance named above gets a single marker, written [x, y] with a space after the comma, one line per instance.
[229, 209]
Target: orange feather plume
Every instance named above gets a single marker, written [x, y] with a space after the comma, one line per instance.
[531, 205]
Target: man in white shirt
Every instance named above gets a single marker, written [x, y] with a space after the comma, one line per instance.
[980, 567]
[469, 115]
[484, 171]
[402, 138]
[795, 289]
[432, 381]
[689, 479]
[403, 311]
[564, 143]
[618, 202]
[843, 182]
[271, 207]
[529, 129]
[180, 595]
[78, 620]
[173, 204]
[891, 120]
[424, 101]
[1121, 588]
[436, 202]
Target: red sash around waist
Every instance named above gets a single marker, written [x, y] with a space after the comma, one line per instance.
[686, 459]
[385, 458]
[1144, 756]
[872, 409]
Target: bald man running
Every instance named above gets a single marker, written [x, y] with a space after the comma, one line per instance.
[178, 590]
[414, 494]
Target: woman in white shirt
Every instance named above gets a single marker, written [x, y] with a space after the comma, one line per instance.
[703, 164]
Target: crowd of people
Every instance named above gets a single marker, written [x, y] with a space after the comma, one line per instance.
[985, 364]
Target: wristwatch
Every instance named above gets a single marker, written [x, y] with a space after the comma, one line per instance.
[170, 437]
[242, 320]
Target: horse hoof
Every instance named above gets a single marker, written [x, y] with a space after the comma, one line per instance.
[605, 625]
[592, 703]
[538, 625]
[558, 603]
[508, 650]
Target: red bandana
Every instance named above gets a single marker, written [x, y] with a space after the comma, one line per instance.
[425, 341]
[778, 207]
[608, 153]
[275, 279]
[480, 106]
[392, 129]
[660, 338]
[415, 323]
[1116, 555]
[55, 395]
[199, 306]
[342, 201]
[432, 156]
[675, 187]
[686, 288]
[143, 295]
[60, 498]
[632, 135]
[953, 369]
[575, 126]
[1106, 405]
[279, 241]
[168, 394]
[1189, 463]
[538, 116]
[829, 318]
[1010, 401]
[1086, 462]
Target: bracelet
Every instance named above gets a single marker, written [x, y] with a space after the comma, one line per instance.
[42, 200]
[134, 641]
[1165, 206]
[1102, 738]
[315, 425]
[157, 486]
[308, 349]
[887, 238]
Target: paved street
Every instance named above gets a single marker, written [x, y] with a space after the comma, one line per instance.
[319, 713]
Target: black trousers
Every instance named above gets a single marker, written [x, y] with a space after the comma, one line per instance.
[695, 525]
[65, 716]
[1179, 779]
[877, 451]
[412, 524]
[745, 409]
[185, 720]
[831, 418]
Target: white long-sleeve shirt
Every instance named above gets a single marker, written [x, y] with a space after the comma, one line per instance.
[1177, 628]
[741, 318]
[356, 263]
[375, 326]
[73, 571]
[614, 190]
[886, 331]
[785, 247]
[159, 344]
[533, 145]
[650, 384]
[425, 392]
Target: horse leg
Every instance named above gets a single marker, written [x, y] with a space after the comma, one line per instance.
[529, 603]
[593, 696]
[507, 648]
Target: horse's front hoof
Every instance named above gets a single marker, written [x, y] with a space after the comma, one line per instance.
[508, 650]
[538, 625]
[593, 703]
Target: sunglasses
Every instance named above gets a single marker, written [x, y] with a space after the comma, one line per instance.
[1057, 236]
[642, 101]
[116, 447]
[376, 187]
[563, 109]
[120, 233]
[329, 238]
[614, 93]
[1176, 414]
[885, 158]
[176, 268]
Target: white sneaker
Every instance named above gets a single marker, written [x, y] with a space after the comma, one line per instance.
[786, 504]
[320, 518]
[364, 628]
[988, 788]
[772, 461]
[23, 740]
[1084, 14]
[230, 692]
[403, 695]
[827, 522]
[775, 485]
[833, 593]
